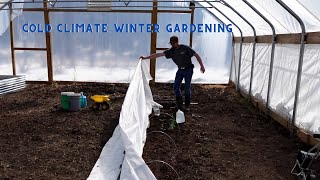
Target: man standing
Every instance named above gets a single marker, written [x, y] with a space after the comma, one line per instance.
[181, 56]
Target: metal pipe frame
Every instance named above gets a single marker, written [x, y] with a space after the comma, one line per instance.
[272, 50]
[254, 42]
[241, 41]
[11, 1]
[302, 45]
[79, 1]
[5, 4]
[231, 35]
[211, 13]
[86, 7]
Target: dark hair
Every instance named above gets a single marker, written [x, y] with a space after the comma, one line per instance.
[173, 39]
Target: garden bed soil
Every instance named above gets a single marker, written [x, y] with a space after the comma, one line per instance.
[224, 136]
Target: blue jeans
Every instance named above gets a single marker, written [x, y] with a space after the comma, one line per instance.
[181, 74]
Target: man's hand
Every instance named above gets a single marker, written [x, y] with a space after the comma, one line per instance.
[202, 69]
[143, 57]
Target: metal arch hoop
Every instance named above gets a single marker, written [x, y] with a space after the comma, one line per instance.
[167, 164]
[165, 135]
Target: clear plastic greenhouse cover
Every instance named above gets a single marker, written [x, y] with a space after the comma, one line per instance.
[286, 59]
[111, 57]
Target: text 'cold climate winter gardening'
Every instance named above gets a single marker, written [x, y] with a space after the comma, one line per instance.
[127, 28]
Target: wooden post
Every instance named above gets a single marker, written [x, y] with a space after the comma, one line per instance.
[13, 62]
[153, 46]
[48, 43]
[192, 21]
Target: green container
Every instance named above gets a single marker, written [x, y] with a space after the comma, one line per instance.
[65, 100]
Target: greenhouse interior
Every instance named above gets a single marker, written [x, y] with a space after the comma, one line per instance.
[83, 97]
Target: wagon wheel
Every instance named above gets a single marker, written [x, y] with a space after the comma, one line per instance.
[105, 106]
[96, 106]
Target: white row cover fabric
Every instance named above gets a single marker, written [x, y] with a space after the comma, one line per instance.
[121, 157]
[5, 14]
[284, 79]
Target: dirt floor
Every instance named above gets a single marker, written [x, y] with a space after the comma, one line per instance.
[224, 137]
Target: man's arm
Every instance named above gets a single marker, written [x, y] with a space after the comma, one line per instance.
[152, 56]
[202, 69]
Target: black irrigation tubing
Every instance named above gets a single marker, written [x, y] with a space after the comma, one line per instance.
[163, 114]
[153, 161]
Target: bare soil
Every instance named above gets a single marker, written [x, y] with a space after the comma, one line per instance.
[224, 137]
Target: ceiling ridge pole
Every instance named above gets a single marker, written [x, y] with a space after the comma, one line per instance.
[301, 54]
[254, 42]
[241, 41]
[272, 51]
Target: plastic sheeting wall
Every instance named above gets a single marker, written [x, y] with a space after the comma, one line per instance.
[308, 115]
[283, 85]
[245, 69]
[5, 54]
[261, 72]
[284, 78]
[5, 14]
[108, 57]
[33, 64]
[111, 57]
[213, 47]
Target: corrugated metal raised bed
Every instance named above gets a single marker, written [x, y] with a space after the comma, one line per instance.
[11, 83]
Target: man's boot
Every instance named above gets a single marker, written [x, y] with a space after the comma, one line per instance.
[179, 102]
[187, 103]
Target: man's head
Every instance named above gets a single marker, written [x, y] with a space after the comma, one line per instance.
[174, 41]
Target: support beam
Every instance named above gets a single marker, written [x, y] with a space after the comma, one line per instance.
[245, 39]
[105, 11]
[13, 61]
[311, 38]
[30, 49]
[289, 38]
[48, 44]
[153, 45]
[161, 49]
[85, 10]
[191, 22]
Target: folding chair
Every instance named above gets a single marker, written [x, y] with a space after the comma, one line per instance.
[302, 167]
